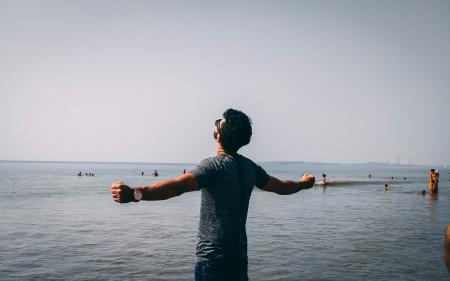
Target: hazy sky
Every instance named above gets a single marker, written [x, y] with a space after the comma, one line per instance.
[331, 81]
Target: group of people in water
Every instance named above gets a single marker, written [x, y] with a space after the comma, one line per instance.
[89, 174]
[433, 184]
[86, 174]
[155, 173]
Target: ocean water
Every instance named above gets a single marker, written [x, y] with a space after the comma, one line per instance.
[55, 225]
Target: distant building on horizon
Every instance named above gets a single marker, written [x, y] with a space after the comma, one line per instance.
[403, 160]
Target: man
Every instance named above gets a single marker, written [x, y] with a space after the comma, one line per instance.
[226, 182]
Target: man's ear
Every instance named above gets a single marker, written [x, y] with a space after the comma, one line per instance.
[219, 138]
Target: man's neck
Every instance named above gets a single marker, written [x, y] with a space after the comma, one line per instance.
[220, 150]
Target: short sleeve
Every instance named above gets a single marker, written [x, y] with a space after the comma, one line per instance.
[205, 172]
[261, 177]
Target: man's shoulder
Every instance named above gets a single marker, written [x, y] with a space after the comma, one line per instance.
[246, 159]
[213, 161]
[216, 158]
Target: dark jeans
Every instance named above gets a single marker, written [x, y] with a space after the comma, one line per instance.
[221, 270]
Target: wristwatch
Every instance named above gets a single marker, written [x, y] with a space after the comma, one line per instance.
[138, 194]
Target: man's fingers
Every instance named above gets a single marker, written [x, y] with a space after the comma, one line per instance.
[116, 191]
[117, 184]
[308, 178]
[116, 197]
[120, 192]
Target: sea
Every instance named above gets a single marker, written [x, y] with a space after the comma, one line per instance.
[56, 225]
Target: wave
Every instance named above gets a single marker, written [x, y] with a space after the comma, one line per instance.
[358, 182]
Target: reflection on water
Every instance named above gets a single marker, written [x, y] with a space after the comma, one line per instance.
[447, 248]
[433, 196]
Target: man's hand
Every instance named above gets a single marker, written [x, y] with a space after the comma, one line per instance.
[121, 192]
[308, 180]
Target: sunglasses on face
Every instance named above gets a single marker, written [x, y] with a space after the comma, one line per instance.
[217, 124]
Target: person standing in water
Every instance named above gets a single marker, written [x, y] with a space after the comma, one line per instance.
[434, 181]
[226, 182]
[324, 180]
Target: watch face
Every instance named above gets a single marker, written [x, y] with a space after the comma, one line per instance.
[138, 195]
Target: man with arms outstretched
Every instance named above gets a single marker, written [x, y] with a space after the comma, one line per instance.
[226, 182]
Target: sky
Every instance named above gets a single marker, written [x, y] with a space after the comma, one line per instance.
[323, 81]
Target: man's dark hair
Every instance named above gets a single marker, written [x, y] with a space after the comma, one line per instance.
[236, 131]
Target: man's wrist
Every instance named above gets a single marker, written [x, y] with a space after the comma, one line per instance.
[132, 194]
[137, 194]
[301, 184]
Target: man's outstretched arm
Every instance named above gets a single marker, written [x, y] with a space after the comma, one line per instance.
[162, 190]
[287, 187]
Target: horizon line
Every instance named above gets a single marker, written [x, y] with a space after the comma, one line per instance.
[189, 163]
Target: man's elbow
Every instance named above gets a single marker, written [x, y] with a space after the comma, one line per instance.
[280, 189]
[285, 192]
[186, 183]
[287, 188]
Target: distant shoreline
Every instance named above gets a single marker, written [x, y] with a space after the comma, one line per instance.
[263, 162]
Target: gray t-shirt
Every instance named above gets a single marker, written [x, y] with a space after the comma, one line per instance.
[226, 183]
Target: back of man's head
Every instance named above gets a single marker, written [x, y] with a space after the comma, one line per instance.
[236, 131]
